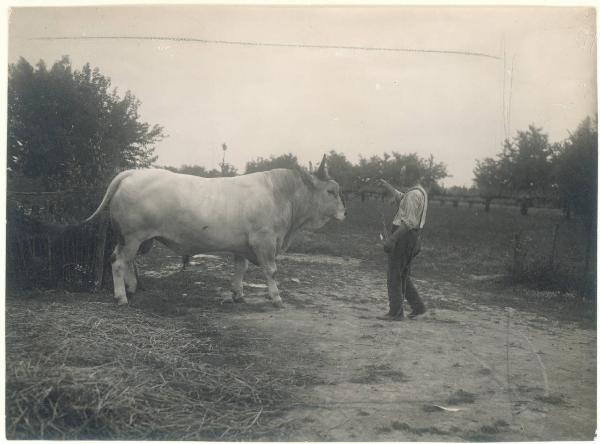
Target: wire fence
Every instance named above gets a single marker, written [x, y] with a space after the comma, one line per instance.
[42, 255]
[561, 258]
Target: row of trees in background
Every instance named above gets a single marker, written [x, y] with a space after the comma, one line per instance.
[529, 168]
[352, 176]
[69, 129]
[226, 170]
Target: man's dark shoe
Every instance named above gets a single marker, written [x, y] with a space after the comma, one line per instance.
[389, 317]
[419, 311]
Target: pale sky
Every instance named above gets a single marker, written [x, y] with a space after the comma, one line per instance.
[262, 100]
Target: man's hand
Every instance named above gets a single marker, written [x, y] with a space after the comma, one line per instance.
[390, 242]
[383, 183]
[388, 245]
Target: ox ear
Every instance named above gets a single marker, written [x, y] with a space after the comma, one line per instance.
[309, 179]
[323, 173]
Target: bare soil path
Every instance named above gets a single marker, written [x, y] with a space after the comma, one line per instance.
[465, 371]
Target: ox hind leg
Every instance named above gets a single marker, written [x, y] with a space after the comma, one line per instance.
[122, 269]
[131, 278]
[237, 283]
[265, 255]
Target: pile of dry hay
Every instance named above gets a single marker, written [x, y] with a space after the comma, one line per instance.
[89, 370]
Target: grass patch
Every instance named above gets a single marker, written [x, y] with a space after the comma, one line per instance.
[554, 399]
[374, 374]
[479, 436]
[461, 397]
[539, 274]
[397, 425]
[404, 427]
[487, 433]
[459, 243]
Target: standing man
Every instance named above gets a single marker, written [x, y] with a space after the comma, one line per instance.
[402, 246]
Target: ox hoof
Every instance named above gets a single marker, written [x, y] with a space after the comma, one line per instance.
[240, 300]
[278, 304]
[122, 301]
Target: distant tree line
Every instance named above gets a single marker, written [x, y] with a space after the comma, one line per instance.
[69, 128]
[529, 167]
[226, 170]
[351, 176]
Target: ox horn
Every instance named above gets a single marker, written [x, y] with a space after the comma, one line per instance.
[322, 173]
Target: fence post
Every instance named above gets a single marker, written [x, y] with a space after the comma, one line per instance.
[100, 247]
[554, 242]
[487, 204]
[589, 283]
[516, 256]
[50, 261]
[524, 207]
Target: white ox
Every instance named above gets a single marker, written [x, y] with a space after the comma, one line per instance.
[253, 216]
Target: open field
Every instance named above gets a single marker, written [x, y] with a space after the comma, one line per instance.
[488, 362]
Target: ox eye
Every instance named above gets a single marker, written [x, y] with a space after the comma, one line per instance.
[332, 192]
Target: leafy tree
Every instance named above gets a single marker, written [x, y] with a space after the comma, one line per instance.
[284, 161]
[69, 128]
[432, 172]
[169, 168]
[370, 168]
[522, 170]
[341, 169]
[576, 169]
[526, 163]
[490, 179]
[527, 157]
[462, 191]
[194, 170]
[227, 170]
[392, 168]
[389, 167]
[487, 177]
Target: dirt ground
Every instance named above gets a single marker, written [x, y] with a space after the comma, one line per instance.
[468, 370]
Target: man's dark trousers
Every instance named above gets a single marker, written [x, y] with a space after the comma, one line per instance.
[398, 276]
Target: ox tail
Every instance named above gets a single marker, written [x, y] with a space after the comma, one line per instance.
[57, 229]
[110, 192]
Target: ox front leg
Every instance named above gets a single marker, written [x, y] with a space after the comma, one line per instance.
[237, 283]
[264, 247]
[270, 268]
